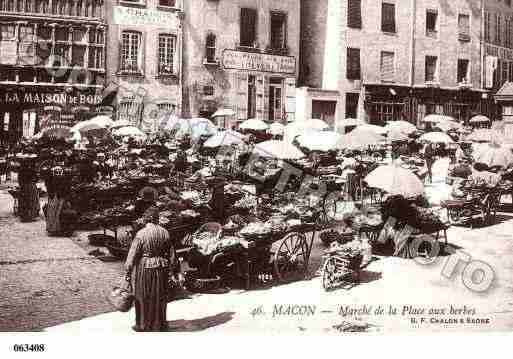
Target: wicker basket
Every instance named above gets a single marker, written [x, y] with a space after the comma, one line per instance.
[99, 239]
[194, 283]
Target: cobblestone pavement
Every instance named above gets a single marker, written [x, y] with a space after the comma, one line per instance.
[46, 281]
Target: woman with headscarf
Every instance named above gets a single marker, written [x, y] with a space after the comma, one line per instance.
[150, 264]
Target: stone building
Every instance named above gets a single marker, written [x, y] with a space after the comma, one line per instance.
[241, 55]
[144, 62]
[391, 59]
[52, 63]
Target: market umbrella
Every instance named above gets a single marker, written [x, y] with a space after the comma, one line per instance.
[479, 119]
[297, 128]
[225, 138]
[349, 122]
[437, 118]
[319, 140]
[493, 155]
[359, 139]
[254, 124]
[278, 149]
[120, 123]
[396, 136]
[380, 130]
[436, 137]
[449, 125]
[195, 127]
[101, 120]
[401, 126]
[129, 131]
[276, 128]
[223, 112]
[485, 135]
[395, 180]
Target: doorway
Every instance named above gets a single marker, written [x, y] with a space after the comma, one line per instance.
[275, 99]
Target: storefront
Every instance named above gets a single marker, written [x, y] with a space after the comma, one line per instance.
[317, 103]
[24, 111]
[262, 85]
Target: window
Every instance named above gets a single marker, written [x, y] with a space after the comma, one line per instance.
[354, 14]
[7, 32]
[352, 105]
[278, 30]
[130, 52]
[210, 48]
[431, 69]
[463, 71]
[251, 96]
[353, 64]
[29, 5]
[167, 3]
[497, 29]
[487, 22]
[208, 90]
[387, 66]
[387, 17]
[166, 54]
[78, 9]
[431, 22]
[248, 18]
[464, 27]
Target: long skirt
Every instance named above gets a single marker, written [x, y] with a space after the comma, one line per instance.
[28, 204]
[150, 287]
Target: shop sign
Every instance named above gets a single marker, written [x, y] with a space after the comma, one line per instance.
[500, 52]
[240, 60]
[129, 16]
[26, 97]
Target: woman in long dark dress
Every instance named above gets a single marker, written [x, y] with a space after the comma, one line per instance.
[28, 203]
[150, 263]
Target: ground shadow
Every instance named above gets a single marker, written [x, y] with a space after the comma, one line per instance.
[369, 276]
[196, 325]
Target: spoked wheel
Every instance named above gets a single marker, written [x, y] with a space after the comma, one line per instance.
[454, 215]
[328, 274]
[291, 258]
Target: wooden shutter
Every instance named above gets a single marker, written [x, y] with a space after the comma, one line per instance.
[353, 63]
[260, 95]
[387, 66]
[388, 17]
[464, 27]
[290, 98]
[241, 81]
[266, 98]
[354, 14]
[247, 26]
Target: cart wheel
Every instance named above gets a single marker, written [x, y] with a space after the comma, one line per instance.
[328, 273]
[330, 208]
[291, 258]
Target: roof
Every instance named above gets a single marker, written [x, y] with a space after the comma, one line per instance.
[505, 93]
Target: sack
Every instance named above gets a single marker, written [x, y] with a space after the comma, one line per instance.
[122, 298]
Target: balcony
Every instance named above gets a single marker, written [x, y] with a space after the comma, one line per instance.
[280, 51]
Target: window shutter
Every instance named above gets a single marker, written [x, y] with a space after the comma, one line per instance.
[260, 94]
[387, 66]
[353, 64]
[354, 14]
[241, 95]
[464, 27]
[388, 17]
[290, 98]
[247, 26]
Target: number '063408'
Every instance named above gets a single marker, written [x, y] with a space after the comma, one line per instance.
[29, 347]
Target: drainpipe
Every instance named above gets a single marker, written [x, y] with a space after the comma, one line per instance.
[481, 46]
[412, 51]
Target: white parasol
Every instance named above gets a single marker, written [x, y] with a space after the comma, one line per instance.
[319, 140]
[120, 123]
[254, 124]
[493, 155]
[437, 118]
[225, 138]
[276, 128]
[479, 119]
[401, 126]
[380, 130]
[486, 135]
[359, 139]
[436, 137]
[195, 127]
[395, 180]
[224, 112]
[278, 149]
[129, 131]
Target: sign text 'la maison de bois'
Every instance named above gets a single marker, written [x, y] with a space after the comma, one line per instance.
[48, 98]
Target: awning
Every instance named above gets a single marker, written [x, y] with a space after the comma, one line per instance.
[505, 93]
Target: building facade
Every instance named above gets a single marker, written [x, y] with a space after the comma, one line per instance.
[52, 63]
[241, 55]
[144, 62]
[394, 59]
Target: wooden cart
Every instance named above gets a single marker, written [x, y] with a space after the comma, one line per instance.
[340, 269]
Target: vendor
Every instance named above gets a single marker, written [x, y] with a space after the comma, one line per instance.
[60, 216]
[29, 194]
[147, 198]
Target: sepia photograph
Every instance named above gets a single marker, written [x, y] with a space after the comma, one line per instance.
[323, 167]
